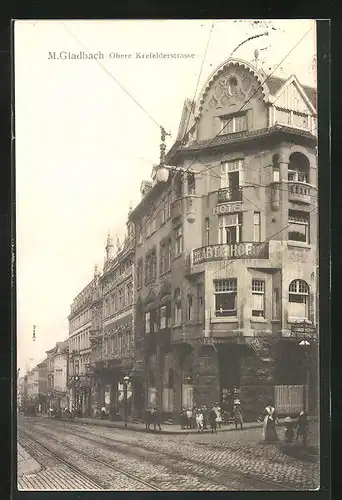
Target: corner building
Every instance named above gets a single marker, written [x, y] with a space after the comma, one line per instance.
[243, 233]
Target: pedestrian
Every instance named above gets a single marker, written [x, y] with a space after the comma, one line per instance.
[237, 414]
[212, 420]
[289, 434]
[189, 418]
[199, 420]
[156, 419]
[269, 428]
[205, 416]
[148, 419]
[218, 412]
[302, 427]
[103, 413]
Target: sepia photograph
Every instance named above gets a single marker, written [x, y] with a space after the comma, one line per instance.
[167, 265]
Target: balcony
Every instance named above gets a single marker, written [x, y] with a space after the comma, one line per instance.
[233, 251]
[177, 208]
[229, 194]
[299, 192]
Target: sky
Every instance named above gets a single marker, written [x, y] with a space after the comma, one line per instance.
[83, 144]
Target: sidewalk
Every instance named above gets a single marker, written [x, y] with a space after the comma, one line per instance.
[170, 429]
[26, 464]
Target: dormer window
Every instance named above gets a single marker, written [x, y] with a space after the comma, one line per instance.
[231, 124]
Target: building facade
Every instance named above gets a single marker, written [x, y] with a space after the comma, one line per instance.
[80, 325]
[113, 334]
[57, 375]
[226, 248]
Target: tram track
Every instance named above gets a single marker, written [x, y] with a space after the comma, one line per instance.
[30, 448]
[225, 476]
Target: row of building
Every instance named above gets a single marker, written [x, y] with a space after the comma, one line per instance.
[214, 288]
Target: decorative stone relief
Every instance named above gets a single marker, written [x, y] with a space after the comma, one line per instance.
[298, 255]
[232, 88]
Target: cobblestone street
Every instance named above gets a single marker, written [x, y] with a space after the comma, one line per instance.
[115, 459]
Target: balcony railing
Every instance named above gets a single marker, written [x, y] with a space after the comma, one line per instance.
[233, 251]
[229, 194]
[299, 192]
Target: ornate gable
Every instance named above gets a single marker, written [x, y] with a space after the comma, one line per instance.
[233, 83]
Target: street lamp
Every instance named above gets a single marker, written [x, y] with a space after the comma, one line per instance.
[126, 380]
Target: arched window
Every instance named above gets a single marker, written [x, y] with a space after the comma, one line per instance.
[177, 306]
[299, 168]
[298, 300]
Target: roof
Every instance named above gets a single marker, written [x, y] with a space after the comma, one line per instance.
[243, 136]
[275, 83]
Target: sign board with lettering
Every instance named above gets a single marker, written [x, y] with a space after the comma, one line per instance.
[226, 208]
[234, 251]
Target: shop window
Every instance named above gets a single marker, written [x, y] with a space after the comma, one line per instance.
[225, 297]
[258, 298]
[230, 228]
[298, 307]
[299, 223]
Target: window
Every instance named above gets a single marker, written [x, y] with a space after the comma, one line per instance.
[276, 170]
[200, 302]
[106, 307]
[231, 179]
[207, 222]
[258, 296]
[299, 168]
[233, 123]
[163, 317]
[257, 227]
[163, 257]
[299, 229]
[225, 297]
[298, 300]
[189, 308]
[230, 228]
[169, 253]
[151, 266]
[177, 306]
[121, 298]
[129, 291]
[147, 322]
[140, 273]
[191, 183]
[178, 241]
[163, 215]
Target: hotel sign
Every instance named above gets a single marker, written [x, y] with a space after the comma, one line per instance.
[227, 208]
[235, 251]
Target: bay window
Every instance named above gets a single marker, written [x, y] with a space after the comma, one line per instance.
[225, 297]
[298, 307]
[258, 298]
[230, 228]
[299, 226]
